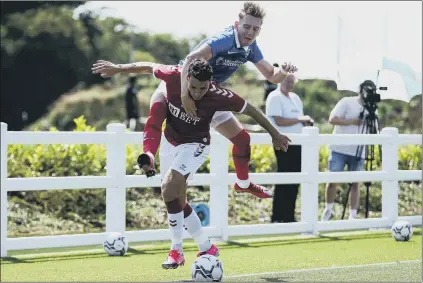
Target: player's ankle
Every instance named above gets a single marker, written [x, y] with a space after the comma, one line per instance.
[329, 206]
[204, 247]
[150, 154]
[177, 247]
[244, 184]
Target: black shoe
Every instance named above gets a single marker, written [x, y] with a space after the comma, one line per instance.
[146, 163]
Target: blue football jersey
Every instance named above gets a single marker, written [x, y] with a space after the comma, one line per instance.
[228, 55]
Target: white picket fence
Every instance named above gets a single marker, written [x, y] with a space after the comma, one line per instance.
[116, 181]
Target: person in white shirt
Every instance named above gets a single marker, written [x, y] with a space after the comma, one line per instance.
[285, 110]
[346, 118]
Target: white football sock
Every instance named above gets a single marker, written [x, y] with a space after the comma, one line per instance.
[176, 226]
[353, 213]
[243, 183]
[327, 213]
[194, 228]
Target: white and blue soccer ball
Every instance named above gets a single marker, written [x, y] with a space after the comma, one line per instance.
[402, 231]
[116, 244]
[207, 268]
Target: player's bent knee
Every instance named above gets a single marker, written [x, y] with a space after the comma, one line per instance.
[172, 186]
[169, 193]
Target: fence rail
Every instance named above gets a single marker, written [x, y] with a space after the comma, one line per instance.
[116, 181]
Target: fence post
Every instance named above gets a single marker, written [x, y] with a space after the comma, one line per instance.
[390, 166]
[116, 168]
[310, 186]
[3, 189]
[219, 198]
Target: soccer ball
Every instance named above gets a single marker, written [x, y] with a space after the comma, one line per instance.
[402, 231]
[207, 268]
[115, 244]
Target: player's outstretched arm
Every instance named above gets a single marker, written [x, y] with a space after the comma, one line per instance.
[279, 141]
[108, 69]
[274, 74]
[203, 52]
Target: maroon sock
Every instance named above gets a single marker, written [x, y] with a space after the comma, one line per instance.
[241, 154]
[153, 127]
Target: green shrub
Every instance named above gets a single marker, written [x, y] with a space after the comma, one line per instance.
[64, 211]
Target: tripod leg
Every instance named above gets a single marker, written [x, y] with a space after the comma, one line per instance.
[367, 202]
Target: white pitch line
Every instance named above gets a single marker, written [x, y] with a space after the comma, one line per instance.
[322, 268]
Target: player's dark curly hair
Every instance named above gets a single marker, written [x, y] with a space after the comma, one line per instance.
[252, 9]
[200, 69]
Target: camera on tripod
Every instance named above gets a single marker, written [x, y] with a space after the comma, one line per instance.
[370, 94]
[370, 97]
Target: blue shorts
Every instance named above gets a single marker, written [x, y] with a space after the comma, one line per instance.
[337, 162]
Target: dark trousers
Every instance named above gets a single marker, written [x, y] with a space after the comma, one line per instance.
[285, 195]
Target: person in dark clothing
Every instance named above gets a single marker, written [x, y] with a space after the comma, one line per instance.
[131, 102]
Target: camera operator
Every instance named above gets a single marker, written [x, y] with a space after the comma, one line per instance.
[347, 116]
[284, 109]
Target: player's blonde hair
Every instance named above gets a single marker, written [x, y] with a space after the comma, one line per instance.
[252, 9]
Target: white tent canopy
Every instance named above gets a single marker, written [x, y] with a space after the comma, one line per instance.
[401, 81]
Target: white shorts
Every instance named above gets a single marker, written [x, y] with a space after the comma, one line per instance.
[218, 118]
[184, 158]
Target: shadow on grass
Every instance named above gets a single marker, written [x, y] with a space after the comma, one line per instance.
[11, 259]
[275, 279]
[193, 248]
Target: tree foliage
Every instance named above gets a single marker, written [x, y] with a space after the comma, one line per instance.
[46, 51]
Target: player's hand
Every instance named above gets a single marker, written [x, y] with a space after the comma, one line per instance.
[105, 68]
[289, 68]
[281, 142]
[188, 104]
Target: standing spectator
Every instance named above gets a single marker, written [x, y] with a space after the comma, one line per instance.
[131, 101]
[285, 110]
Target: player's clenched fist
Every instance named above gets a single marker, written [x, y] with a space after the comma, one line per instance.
[289, 68]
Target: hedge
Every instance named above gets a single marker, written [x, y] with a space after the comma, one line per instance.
[80, 211]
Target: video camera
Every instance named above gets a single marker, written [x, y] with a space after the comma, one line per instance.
[369, 92]
[370, 96]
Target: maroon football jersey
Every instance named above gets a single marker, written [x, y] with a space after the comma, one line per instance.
[180, 127]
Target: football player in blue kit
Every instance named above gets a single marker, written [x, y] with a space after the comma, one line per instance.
[225, 52]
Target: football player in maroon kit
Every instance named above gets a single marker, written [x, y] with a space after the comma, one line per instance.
[225, 51]
[187, 145]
